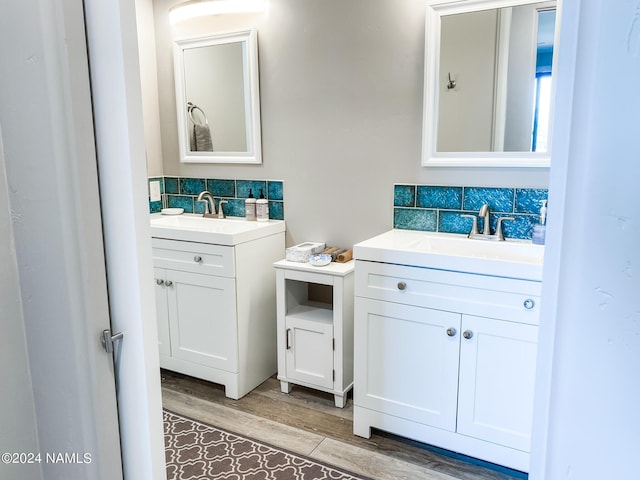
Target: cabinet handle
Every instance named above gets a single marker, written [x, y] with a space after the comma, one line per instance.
[159, 281]
[168, 283]
[451, 332]
[197, 259]
[402, 285]
[467, 334]
[529, 303]
[288, 338]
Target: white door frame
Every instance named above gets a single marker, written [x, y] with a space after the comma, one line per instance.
[117, 106]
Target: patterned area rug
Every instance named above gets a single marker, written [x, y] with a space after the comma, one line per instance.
[197, 451]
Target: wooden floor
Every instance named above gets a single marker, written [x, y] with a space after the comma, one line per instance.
[307, 422]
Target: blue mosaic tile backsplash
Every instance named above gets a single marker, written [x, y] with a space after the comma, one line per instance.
[439, 208]
[182, 192]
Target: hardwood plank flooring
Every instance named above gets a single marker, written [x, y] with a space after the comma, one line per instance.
[307, 422]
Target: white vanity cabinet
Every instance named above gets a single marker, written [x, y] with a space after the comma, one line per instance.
[446, 358]
[315, 327]
[216, 310]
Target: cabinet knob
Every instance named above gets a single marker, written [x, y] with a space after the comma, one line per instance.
[451, 332]
[402, 285]
[197, 259]
[529, 303]
[168, 283]
[159, 281]
[467, 334]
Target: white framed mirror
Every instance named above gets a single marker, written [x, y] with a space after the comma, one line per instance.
[217, 98]
[488, 83]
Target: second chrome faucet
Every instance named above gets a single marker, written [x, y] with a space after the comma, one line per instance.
[486, 227]
[210, 205]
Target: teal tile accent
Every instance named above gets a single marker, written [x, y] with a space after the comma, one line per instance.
[415, 219]
[171, 185]
[192, 186]
[498, 199]
[181, 193]
[222, 188]
[440, 208]
[439, 197]
[404, 196]
[235, 208]
[276, 210]
[198, 206]
[243, 187]
[180, 201]
[529, 200]
[275, 190]
[452, 222]
[155, 207]
[521, 227]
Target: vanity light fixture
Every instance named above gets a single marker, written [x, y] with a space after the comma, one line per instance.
[199, 8]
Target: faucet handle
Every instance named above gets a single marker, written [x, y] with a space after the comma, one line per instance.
[499, 227]
[474, 225]
[220, 211]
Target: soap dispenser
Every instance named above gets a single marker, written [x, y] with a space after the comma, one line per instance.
[540, 229]
[250, 207]
[262, 208]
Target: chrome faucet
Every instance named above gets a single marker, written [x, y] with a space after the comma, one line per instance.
[484, 213]
[486, 228]
[210, 205]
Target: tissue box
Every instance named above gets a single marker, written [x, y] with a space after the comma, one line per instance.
[301, 253]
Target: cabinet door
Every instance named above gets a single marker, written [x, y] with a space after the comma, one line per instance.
[309, 351]
[406, 361]
[162, 312]
[497, 376]
[202, 318]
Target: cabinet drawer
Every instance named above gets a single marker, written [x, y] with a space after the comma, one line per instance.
[495, 297]
[194, 257]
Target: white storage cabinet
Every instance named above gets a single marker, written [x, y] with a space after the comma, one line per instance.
[216, 310]
[446, 358]
[315, 327]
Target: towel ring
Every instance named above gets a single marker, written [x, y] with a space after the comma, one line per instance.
[190, 108]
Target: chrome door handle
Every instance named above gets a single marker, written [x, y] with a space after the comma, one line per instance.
[402, 286]
[467, 334]
[197, 259]
[529, 303]
[451, 332]
[159, 281]
[168, 283]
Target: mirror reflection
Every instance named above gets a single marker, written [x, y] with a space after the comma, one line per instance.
[500, 63]
[489, 101]
[217, 99]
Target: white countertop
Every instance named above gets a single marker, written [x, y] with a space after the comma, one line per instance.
[333, 268]
[446, 251]
[219, 231]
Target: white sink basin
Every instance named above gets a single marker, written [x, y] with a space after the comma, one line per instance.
[448, 251]
[219, 231]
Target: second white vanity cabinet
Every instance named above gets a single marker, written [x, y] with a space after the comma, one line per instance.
[216, 309]
[446, 358]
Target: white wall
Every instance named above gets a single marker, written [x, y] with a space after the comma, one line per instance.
[590, 336]
[341, 95]
[468, 52]
[17, 416]
[214, 81]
